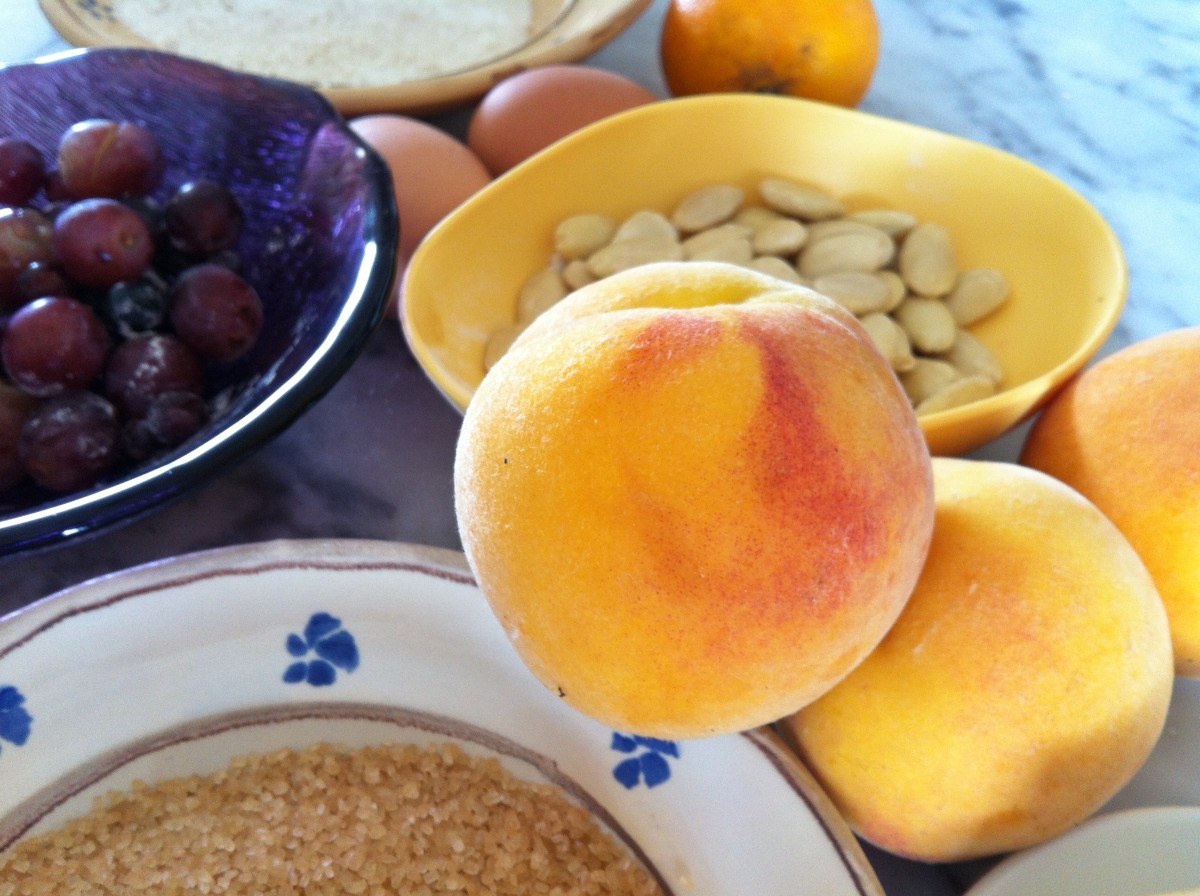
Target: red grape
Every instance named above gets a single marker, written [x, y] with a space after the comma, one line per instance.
[216, 312]
[52, 345]
[99, 157]
[203, 218]
[56, 191]
[25, 238]
[22, 171]
[15, 407]
[100, 242]
[142, 368]
[170, 419]
[88, 256]
[70, 441]
[174, 416]
[41, 278]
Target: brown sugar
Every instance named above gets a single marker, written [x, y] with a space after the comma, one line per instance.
[326, 820]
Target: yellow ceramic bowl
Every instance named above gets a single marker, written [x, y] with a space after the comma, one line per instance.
[1066, 267]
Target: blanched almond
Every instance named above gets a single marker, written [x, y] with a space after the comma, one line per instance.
[859, 292]
[543, 289]
[899, 276]
[727, 242]
[780, 236]
[971, 355]
[893, 222]
[499, 342]
[891, 340]
[862, 249]
[576, 274]
[629, 253]
[897, 291]
[707, 207]
[818, 230]
[755, 216]
[927, 323]
[927, 376]
[776, 267]
[648, 225]
[799, 200]
[978, 293]
[963, 390]
[581, 235]
[927, 262]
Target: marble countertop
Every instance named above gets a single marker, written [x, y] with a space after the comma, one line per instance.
[1105, 97]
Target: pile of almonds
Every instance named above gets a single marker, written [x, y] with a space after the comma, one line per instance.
[898, 275]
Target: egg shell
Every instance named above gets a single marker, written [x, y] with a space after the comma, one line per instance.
[432, 174]
[527, 112]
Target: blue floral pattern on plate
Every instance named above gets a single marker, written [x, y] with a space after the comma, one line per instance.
[330, 646]
[98, 9]
[15, 720]
[647, 762]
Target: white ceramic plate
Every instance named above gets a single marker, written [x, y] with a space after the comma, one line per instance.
[562, 31]
[1135, 852]
[176, 667]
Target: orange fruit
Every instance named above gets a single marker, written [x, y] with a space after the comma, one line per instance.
[816, 49]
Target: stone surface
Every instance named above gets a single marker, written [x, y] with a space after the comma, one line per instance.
[1103, 98]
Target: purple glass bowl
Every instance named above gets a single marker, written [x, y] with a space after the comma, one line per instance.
[319, 245]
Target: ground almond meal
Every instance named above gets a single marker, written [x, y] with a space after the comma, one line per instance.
[334, 43]
[324, 820]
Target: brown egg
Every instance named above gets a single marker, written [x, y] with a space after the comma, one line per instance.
[432, 174]
[527, 112]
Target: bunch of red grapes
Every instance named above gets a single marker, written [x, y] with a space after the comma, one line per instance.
[112, 304]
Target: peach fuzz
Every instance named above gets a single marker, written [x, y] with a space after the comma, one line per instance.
[695, 497]
[1025, 683]
[1126, 433]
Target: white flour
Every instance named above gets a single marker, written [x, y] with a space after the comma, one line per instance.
[334, 43]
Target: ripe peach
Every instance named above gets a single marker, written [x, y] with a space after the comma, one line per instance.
[695, 496]
[1126, 433]
[1026, 681]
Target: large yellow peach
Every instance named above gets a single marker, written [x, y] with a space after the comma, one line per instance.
[1024, 684]
[695, 496]
[1126, 433]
